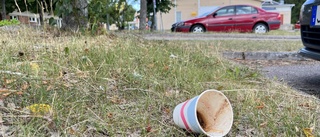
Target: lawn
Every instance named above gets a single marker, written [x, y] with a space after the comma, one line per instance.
[122, 85]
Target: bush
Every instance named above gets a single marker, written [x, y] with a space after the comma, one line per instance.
[9, 22]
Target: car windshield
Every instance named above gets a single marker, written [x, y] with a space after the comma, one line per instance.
[207, 13]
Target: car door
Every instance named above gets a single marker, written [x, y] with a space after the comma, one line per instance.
[221, 20]
[245, 18]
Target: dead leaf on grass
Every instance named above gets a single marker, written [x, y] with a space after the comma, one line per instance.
[44, 82]
[167, 110]
[166, 67]
[264, 124]
[49, 87]
[260, 106]
[148, 128]
[115, 100]
[9, 81]
[151, 65]
[25, 86]
[71, 131]
[118, 100]
[308, 132]
[86, 50]
[19, 93]
[306, 105]
[110, 115]
[4, 90]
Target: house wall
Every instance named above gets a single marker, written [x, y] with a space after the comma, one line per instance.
[286, 17]
[32, 18]
[23, 20]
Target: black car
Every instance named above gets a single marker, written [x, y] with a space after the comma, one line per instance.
[310, 29]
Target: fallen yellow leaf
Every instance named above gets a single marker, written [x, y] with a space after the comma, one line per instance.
[34, 67]
[308, 132]
[40, 109]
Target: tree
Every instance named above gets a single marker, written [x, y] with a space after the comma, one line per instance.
[109, 11]
[3, 6]
[143, 14]
[74, 14]
[163, 6]
[295, 13]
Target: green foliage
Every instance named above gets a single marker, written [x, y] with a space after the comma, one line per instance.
[9, 22]
[118, 13]
[296, 9]
[32, 5]
[63, 7]
[164, 6]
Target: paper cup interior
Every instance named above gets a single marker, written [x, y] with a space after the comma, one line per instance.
[214, 113]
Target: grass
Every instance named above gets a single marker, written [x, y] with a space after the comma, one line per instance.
[111, 85]
[247, 46]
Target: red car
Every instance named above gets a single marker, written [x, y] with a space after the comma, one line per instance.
[297, 25]
[241, 18]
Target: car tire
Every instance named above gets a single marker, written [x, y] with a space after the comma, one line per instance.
[260, 28]
[198, 29]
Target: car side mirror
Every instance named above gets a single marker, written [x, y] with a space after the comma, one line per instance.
[214, 15]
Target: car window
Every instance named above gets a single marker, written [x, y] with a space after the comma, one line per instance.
[209, 12]
[246, 10]
[226, 11]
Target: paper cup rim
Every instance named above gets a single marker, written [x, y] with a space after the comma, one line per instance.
[213, 90]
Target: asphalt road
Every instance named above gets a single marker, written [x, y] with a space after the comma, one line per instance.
[215, 36]
[301, 76]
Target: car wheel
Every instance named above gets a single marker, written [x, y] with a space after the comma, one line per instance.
[197, 29]
[260, 28]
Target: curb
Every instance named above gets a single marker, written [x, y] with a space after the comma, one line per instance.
[264, 56]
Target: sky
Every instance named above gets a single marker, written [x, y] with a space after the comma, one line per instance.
[135, 4]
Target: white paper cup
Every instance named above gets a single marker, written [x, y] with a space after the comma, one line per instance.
[209, 113]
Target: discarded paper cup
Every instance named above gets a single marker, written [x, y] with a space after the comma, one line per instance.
[209, 113]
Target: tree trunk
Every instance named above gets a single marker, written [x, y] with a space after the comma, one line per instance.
[78, 18]
[51, 7]
[143, 15]
[3, 5]
[41, 13]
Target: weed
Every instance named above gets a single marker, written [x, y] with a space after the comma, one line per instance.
[111, 85]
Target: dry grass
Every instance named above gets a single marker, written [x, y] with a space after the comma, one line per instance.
[113, 85]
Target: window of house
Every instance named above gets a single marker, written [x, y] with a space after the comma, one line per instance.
[32, 19]
[13, 17]
[178, 17]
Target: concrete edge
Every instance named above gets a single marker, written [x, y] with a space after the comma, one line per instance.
[264, 55]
